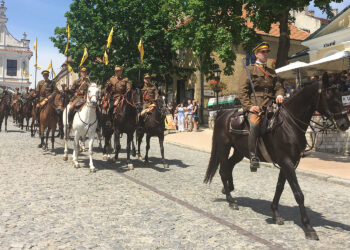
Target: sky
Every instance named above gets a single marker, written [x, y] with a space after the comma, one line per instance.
[39, 18]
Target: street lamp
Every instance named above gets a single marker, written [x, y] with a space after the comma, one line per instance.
[217, 73]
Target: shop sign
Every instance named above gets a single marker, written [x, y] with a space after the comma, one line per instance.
[325, 45]
[208, 92]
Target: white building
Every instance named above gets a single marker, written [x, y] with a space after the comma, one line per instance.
[306, 20]
[14, 56]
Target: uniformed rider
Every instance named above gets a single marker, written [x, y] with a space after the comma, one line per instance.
[25, 95]
[3, 92]
[149, 94]
[117, 86]
[267, 87]
[79, 90]
[45, 89]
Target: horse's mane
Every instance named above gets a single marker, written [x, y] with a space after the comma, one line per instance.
[301, 91]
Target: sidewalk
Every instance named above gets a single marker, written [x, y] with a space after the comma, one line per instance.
[315, 163]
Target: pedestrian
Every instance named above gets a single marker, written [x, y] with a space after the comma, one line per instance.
[195, 116]
[188, 121]
[180, 117]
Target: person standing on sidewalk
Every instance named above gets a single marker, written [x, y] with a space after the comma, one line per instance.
[195, 116]
[188, 121]
[180, 117]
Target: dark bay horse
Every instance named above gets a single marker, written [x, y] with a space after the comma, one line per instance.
[5, 107]
[285, 143]
[153, 125]
[106, 125]
[17, 106]
[125, 121]
[49, 117]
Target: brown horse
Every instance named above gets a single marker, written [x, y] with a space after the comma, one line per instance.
[5, 107]
[153, 125]
[285, 143]
[49, 116]
[17, 106]
[125, 121]
[27, 109]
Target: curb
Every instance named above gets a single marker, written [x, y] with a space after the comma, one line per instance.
[319, 176]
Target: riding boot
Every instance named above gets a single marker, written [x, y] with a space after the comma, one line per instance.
[252, 144]
[71, 114]
[37, 116]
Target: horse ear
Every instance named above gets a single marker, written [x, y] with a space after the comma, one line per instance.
[325, 80]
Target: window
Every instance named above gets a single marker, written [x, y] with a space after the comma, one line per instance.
[250, 58]
[12, 67]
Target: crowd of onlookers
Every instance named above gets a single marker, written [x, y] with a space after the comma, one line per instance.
[185, 118]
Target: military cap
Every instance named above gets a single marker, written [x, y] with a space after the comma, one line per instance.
[83, 69]
[117, 67]
[147, 75]
[261, 46]
[45, 72]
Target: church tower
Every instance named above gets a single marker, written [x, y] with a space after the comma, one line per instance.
[14, 56]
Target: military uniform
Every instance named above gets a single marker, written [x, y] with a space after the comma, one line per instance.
[80, 88]
[149, 94]
[118, 86]
[25, 96]
[46, 89]
[267, 87]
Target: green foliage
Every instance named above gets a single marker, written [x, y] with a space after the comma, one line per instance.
[90, 22]
[207, 26]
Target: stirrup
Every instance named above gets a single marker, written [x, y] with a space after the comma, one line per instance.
[254, 164]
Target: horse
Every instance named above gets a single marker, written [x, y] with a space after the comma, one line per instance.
[49, 118]
[27, 109]
[84, 123]
[5, 107]
[285, 142]
[125, 121]
[153, 125]
[17, 106]
[105, 122]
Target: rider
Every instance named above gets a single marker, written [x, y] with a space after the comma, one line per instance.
[25, 95]
[46, 88]
[16, 95]
[117, 86]
[267, 86]
[3, 92]
[79, 89]
[149, 94]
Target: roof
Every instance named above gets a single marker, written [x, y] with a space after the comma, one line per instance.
[325, 25]
[323, 20]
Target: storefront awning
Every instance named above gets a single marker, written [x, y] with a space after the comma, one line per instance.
[324, 63]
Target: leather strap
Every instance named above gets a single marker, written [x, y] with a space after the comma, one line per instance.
[262, 70]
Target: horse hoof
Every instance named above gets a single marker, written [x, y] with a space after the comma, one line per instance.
[311, 235]
[105, 157]
[165, 165]
[92, 170]
[140, 158]
[234, 206]
[65, 158]
[278, 220]
[54, 153]
[130, 166]
[77, 165]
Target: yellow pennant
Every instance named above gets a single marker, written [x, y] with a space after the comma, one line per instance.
[37, 66]
[109, 40]
[35, 45]
[105, 58]
[85, 56]
[68, 36]
[50, 65]
[142, 52]
[70, 69]
[54, 73]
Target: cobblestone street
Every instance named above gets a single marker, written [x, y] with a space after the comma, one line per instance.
[48, 204]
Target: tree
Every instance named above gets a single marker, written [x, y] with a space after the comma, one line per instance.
[263, 13]
[206, 26]
[90, 23]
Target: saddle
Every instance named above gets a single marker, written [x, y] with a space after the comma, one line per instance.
[270, 119]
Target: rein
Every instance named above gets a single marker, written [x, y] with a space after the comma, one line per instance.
[85, 123]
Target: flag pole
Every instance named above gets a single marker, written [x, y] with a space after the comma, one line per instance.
[67, 87]
[36, 61]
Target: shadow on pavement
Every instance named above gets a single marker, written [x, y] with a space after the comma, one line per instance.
[15, 131]
[288, 213]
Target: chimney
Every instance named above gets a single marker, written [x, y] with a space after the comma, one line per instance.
[311, 12]
[335, 12]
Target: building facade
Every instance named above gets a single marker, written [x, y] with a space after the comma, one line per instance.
[14, 56]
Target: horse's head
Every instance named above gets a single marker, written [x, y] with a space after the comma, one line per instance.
[58, 102]
[134, 96]
[330, 102]
[92, 95]
[160, 102]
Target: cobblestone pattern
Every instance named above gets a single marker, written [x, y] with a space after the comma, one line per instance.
[47, 204]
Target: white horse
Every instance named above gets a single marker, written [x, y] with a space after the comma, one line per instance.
[84, 124]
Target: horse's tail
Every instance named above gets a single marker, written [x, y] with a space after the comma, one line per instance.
[214, 160]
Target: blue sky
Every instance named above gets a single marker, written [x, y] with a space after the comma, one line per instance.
[38, 18]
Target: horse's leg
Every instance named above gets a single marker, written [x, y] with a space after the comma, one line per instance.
[53, 130]
[91, 144]
[46, 147]
[133, 150]
[65, 156]
[226, 172]
[76, 150]
[129, 139]
[274, 206]
[117, 144]
[1, 118]
[41, 135]
[148, 138]
[290, 174]
[139, 136]
[6, 123]
[161, 145]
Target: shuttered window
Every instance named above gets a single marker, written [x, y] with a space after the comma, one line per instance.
[12, 67]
